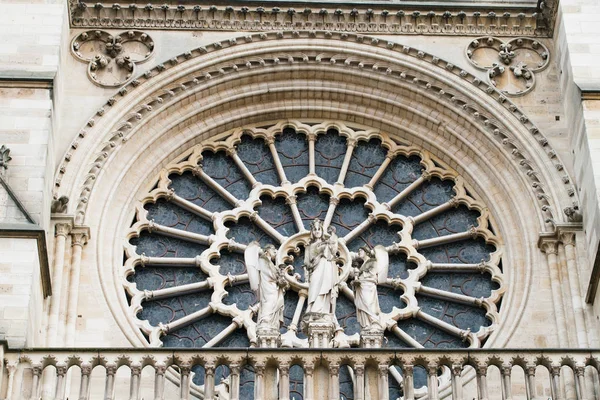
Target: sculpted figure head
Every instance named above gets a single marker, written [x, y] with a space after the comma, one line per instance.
[270, 251]
[316, 229]
[363, 252]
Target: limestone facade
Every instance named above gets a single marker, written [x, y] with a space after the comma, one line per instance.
[98, 100]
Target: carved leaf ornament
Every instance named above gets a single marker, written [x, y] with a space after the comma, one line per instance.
[184, 271]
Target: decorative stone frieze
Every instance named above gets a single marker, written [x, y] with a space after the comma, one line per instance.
[112, 59]
[428, 20]
[510, 66]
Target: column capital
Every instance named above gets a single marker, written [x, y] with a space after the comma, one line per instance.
[567, 238]
[549, 246]
[80, 235]
[62, 229]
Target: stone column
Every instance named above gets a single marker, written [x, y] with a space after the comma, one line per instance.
[550, 248]
[61, 372]
[433, 382]
[409, 387]
[555, 387]
[568, 240]
[84, 387]
[159, 382]
[109, 385]
[259, 381]
[581, 386]
[482, 388]
[234, 382]
[309, 388]
[134, 385]
[359, 389]
[184, 389]
[209, 381]
[284, 382]
[11, 380]
[35, 382]
[61, 231]
[530, 381]
[506, 385]
[457, 382]
[384, 392]
[79, 237]
[334, 381]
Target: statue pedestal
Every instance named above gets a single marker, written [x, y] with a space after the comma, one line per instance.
[319, 329]
[371, 338]
[268, 337]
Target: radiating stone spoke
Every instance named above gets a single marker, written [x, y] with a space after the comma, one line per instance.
[191, 207]
[457, 267]
[224, 193]
[407, 190]
[267, 228]
[446, 327]
[388, 159]
[333, 202]
[222, 335]
[363, 226]
[169, 262]
[280, 171]
[291, 201]
[405, 337]
[177, 290]
[451, 296]
[179, 234]
[452, 203]
[240, 164]
[441, 240]
[187, 320]
[351, 144]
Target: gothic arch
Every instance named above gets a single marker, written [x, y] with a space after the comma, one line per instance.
[367, 82]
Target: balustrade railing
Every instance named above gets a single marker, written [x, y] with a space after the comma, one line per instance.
[299, 374]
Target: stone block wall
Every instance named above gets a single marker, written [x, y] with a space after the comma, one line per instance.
[31, 35]
[25, 128]
[21, 296]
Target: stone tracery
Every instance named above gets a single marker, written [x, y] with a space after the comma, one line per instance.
[184, 258]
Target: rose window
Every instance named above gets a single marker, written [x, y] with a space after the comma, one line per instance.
[185, 274]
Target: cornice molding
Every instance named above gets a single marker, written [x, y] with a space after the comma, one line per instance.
[426, 19]
[28, 231]
[10, 83]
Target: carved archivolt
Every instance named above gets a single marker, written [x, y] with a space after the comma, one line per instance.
[112, 59]
[419, 81]
[510, 66]
[264, 183]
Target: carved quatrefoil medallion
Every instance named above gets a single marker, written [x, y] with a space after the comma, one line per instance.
[112, 59]
[511, 66]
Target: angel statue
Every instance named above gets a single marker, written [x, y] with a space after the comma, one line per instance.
[321, 264]
[265, 279]
[370, 268]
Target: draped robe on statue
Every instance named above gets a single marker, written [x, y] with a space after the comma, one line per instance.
[320, 258]
[270, 295]
[365, 295]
